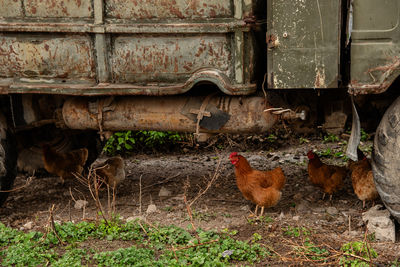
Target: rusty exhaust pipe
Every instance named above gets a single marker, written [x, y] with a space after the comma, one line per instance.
[211, 114]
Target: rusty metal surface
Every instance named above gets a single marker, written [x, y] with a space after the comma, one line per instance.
[139, 113]
[303, 43]
[10, 8]
[58, 8]
[57, 86]
[166, 9]
[83, 27]
[375, 46]
[150, 47]
[170, 58]
[67, 57]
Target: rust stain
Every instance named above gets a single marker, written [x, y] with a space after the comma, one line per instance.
[46, 58]
[58, 8]
[164, 9]
[380, 84]
[158, 57]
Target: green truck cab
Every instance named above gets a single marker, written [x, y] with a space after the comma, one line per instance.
[233, 66]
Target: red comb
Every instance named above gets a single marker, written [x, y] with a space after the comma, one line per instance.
[233, 154]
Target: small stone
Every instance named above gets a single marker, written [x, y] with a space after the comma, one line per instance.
[296, 218]
[302, 207]
[80, 204]
[318, 209]
[282, 215]
[244, 208]
[164, 192]
[28, 226]
[378, 221]
[185, 150]
[151, 209]
[332, 211]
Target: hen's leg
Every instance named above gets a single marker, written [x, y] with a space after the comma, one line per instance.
[363, 204]
[323, 196]
[330, 197]
[255, 212]
[262, 211]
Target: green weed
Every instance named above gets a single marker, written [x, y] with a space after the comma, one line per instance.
[271, 138]
[330, 138]
[359, 249]
[312, 251]
[125, 142]
[303, 140]
[150, 246]
[296, 231]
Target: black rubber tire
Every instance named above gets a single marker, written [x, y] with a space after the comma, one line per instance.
[386, 159]
[9, 161]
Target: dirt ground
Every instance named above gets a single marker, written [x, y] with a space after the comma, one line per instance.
[222, 206]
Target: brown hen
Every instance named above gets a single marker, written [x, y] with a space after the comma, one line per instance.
[327, 177]
[66, 164]
[261, 187]
[111, 171]
[362, 179]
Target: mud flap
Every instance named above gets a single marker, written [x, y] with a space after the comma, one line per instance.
[217, 119]
[355, 136]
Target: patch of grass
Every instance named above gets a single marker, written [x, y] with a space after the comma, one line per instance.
[202, 216]
[312, 251]
[125, 142]
[364, 135]
[325, 153]
[330, 138]
[354, 252]
[168, 208]
[303, 140]
[262, 219]
[151, 246]
[296, 231]
[271, 138]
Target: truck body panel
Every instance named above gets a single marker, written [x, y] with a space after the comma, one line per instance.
[303, 44]
[149, 47]
[375, 47]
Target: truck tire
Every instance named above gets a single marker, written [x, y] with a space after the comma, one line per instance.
[386, 159]
[8, 163]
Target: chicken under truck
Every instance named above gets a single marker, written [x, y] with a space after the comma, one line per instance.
[201, 66]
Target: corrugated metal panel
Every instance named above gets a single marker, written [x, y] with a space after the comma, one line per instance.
[152, 58]
[167, 9]
[67, 57]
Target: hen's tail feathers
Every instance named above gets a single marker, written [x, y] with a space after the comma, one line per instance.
[280, 179]
[269, 197]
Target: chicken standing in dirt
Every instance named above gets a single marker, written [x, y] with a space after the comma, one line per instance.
[328, 177]
[261, 187]
[111, 171]
[362, 178]
[65, 165]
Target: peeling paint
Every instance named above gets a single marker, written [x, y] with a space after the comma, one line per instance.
[303, 34]
[320, 77]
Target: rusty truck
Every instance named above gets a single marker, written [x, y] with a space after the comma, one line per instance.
[201, 66]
